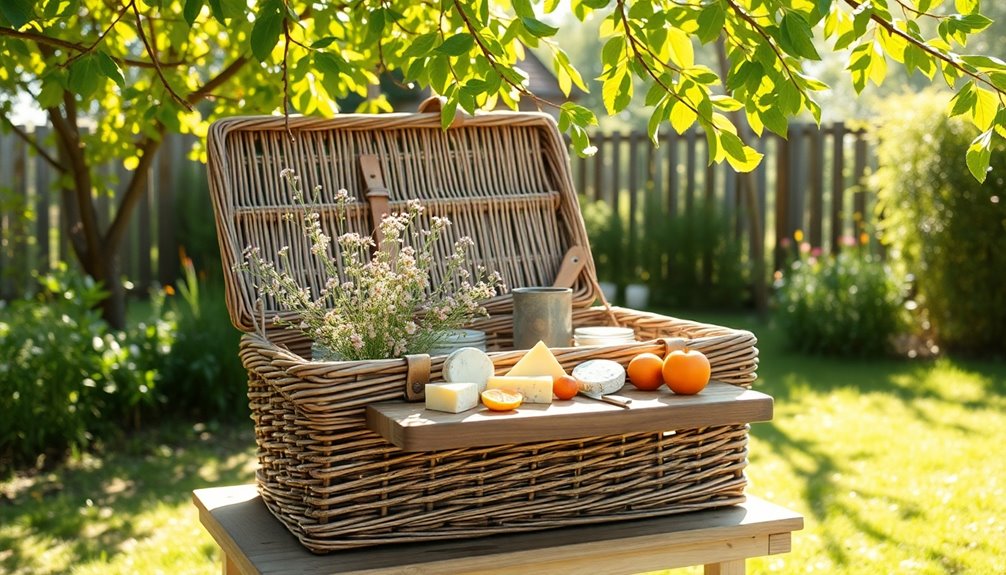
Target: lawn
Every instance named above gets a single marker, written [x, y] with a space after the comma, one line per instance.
[897, 466]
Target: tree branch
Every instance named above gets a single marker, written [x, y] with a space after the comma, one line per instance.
[66, 130]
[153, 58]
[35, 145]
[928, 49]
[118, 17]
[44, 40]
[148, 147]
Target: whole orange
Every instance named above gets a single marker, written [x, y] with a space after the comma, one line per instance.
[686, 371]
[565, 387]
[646, 371]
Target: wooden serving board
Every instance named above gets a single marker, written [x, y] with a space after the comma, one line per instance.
[412, 427]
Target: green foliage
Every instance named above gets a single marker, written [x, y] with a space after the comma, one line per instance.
[471, 52]
[692, 260]
[65, 378]
[604, 231]
[850, 304]
[947, 229]
[202, 376]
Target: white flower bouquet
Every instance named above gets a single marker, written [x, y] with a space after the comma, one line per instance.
[382, 304]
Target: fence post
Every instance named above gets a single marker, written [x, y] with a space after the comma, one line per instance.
[781, 198]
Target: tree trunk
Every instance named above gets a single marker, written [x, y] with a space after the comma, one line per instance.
[745, 182]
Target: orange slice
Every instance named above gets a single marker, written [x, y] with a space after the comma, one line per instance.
[502, 399]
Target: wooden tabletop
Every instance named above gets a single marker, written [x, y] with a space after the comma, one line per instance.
[255, 542]
[412, 427]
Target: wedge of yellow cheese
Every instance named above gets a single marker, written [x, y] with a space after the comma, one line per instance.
[538, 361]
[452, 397]
[535, 389]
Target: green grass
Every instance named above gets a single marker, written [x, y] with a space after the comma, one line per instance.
[898, 467]
[128, 511]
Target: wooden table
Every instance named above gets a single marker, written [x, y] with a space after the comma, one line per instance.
[253, 541]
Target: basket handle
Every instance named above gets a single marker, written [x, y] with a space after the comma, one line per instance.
[376, 192]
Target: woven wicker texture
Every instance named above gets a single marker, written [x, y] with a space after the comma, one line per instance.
[503, 180]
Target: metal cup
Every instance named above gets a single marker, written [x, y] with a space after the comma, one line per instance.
[542, 314]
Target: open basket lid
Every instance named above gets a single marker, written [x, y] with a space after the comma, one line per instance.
[502, 178]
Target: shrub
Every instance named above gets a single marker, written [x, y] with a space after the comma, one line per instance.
[66, 379]
[203, 376]
[692, 260]
[604, 231]
[942, 225]
[846, 305]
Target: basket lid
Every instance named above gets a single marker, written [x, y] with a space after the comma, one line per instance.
[502, 178]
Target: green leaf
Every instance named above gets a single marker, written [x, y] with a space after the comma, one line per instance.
[523, 8]
[421, 45]
[796, 38]
[682, 52]
[741, 158]
[457, 44]
[375, 24]
[967, 6]
[963, 100]
[711, 20]
[109, 68]
[537, 28]
[611, 54]
[979, 154]
[616, 92]
[267, 28]
[224, 10]
[328, 63]
[439, 72]
[653, 125]
[985, 109]
[682, 117]
[85, 76]
[192, 9]
[448, 112]
[323, 42]
[17, 13]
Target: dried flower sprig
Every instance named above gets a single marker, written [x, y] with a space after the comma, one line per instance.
[381, 305]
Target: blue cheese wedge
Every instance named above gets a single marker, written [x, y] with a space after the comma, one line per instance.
[468, 364]
[599, 376]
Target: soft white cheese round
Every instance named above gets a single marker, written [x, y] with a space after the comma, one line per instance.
[468, 364]
[599, 376]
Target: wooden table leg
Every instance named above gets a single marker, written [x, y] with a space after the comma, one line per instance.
[735, 567]
[229, 567]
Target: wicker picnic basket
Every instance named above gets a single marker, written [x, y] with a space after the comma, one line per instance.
[503, 179]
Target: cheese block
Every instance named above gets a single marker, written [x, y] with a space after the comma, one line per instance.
[535, 389]
[538, 361]
[599, 376]
[468, 364]
[452, 397]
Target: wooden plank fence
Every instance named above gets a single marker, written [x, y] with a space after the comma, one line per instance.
[808, 182]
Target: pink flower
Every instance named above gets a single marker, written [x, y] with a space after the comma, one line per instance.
[804, 247]
[816, 252]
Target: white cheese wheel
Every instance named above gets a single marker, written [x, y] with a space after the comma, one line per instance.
[599, 376]
[468, 364]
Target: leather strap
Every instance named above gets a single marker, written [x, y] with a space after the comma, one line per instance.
[417, 377]
[572, 265]
[376, 192]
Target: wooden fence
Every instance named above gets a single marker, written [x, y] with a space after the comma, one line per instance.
[808, 182]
